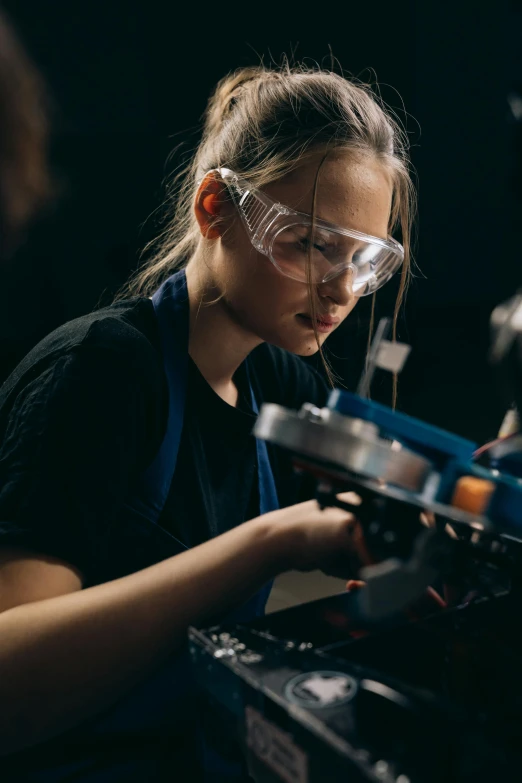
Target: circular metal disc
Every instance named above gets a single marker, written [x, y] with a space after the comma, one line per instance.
[351, 444]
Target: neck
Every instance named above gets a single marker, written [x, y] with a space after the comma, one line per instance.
[217, 343]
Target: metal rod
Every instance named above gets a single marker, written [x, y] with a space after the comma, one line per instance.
[383, 327]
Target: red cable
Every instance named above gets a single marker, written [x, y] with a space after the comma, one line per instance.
[491, 444]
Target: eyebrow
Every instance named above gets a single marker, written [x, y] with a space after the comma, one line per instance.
[318, 218]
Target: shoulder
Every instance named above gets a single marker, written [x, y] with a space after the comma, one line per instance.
[286, 379]
[128, 326]
[120, 336]
[97, 380]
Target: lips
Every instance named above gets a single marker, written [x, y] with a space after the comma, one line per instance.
[325, 320]
[324, 323]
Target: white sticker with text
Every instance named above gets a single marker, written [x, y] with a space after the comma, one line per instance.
[276, 748]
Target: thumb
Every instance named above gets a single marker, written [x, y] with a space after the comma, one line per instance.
[354, 584]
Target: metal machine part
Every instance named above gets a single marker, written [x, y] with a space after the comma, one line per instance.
[351, 444]
[358, 686]
[395, 584]
[317, 699]
[506, 350]
[401, 467]
[348, 450]
[506, 326]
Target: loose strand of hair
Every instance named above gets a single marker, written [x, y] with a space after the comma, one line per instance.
[312, 286]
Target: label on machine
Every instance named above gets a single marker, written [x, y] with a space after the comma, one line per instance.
[275, 748]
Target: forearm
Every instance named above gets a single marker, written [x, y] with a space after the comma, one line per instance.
[65, 659]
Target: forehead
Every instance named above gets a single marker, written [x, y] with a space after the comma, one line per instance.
[352, 192]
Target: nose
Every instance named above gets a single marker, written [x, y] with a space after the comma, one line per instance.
[340, 287]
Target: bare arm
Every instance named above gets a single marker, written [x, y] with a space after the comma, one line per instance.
[67, 657]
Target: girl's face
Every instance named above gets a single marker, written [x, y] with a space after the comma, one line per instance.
[352, 193]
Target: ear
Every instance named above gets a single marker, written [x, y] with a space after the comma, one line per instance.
[210, 206]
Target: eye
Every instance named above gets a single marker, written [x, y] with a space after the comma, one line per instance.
[321, 241]
[304, 244]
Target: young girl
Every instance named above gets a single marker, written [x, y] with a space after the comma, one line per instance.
[128, 470]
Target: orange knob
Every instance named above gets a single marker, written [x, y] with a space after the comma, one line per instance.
[472, 494]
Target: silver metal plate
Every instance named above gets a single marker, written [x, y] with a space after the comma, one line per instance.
[350, 444]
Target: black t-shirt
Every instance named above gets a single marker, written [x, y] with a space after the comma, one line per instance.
[217, 461]
[84, 414]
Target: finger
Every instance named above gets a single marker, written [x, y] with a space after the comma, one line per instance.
[354, 584]
[350, 497]
[427, 518]
[436, 597]
[334, 514]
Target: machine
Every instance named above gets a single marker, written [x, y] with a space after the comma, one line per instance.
[364, 686]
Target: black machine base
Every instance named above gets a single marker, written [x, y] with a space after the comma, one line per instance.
[314, 698]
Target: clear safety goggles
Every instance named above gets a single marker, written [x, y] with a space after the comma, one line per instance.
[293, 242]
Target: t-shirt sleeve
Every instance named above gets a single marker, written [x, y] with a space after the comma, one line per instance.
[76, 435]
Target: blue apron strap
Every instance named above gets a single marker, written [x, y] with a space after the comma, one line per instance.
[268, 500]
[171, 307]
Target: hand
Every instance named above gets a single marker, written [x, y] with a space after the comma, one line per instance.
[310, 537]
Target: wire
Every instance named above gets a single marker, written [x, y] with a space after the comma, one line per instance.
[487, 446]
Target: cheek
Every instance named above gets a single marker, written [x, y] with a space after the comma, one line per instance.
[264, 304]
[258, 290]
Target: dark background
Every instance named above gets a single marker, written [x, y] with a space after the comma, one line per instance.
[129, 82]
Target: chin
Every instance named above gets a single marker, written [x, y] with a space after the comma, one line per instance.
[309, 350]
[299, 347]
[285, 335]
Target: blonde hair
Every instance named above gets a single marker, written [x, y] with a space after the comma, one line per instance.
[261, 122]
